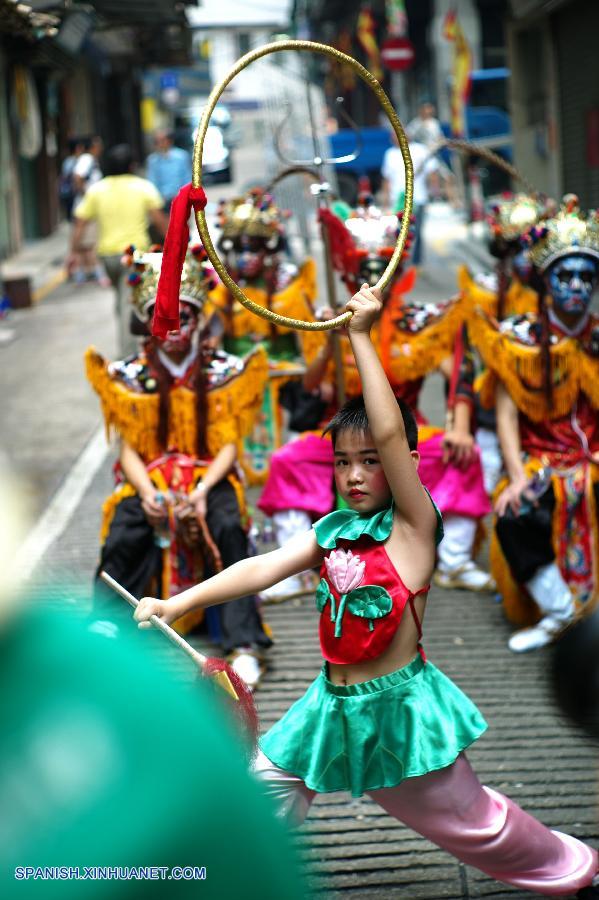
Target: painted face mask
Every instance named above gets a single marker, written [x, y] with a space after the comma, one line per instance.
[371, 269]
[571, 282]
[180, 341]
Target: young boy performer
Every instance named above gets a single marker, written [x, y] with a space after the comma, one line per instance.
[380, 719]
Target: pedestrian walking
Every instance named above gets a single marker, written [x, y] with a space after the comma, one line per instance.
[67, 180]
[394, 185]
[87, 169]
[122, 205]
[83, 172]
[169, 167]
[425, 128]
[380, 719]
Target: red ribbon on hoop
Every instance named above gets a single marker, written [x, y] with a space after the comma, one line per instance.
[166, 308]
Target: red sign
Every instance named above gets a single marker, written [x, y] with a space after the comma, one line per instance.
[397, 53]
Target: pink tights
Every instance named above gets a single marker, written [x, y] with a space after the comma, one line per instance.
[479, 826]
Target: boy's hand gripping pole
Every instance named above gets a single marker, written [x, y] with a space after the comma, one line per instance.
[221, 678]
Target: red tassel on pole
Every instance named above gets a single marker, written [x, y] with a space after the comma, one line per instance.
[166, 309]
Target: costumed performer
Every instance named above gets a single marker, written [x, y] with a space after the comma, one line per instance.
[380, 719]
[180, 409]
[504, 292]
[254, 247]
[543, 376]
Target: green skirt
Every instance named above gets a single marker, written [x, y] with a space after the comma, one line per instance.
[371, 735]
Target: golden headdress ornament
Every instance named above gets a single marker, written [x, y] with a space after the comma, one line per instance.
[514, 214]
[567, 233]
[373, 230]
[253, 215]
[197, 280]
[363, 244]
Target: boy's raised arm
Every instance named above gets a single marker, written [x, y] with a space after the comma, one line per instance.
[385, 419]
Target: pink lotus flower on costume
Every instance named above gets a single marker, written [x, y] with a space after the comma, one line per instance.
[345, 570]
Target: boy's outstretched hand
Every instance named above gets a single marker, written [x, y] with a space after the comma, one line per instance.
[366, 307]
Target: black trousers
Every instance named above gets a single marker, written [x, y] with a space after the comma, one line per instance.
[526, 539]
[131, 556]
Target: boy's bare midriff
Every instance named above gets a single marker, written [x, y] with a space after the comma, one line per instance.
[401, 651]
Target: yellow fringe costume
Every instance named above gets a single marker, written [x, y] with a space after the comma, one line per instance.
[232, 407]
[520, 367]
[519, 299]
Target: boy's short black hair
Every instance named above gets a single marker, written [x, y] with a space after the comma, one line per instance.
[352, 417]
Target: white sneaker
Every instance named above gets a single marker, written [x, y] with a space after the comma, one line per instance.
[248, 666]
[467, 577]
[539, 635]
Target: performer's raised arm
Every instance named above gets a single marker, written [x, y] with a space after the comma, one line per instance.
[412, 504]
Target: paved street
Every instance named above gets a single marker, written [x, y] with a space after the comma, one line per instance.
[51, 417]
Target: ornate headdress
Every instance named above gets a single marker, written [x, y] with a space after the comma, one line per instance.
[567, 233]
[197, 280]
[254, 215]
[514, 214]
[372, 236]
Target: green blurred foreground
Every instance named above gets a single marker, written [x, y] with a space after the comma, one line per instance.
[105, 760]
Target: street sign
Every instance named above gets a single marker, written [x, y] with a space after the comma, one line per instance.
[397, 53]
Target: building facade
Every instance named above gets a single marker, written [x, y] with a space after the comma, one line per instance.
[70, 71]
[555, 95]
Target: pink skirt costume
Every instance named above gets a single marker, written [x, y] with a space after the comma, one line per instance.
[459, 492]
[400, 738]
[300, 477]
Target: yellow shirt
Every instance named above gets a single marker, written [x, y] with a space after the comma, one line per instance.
[120, 205]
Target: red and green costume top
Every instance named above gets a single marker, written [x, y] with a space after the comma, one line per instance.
[361, 596]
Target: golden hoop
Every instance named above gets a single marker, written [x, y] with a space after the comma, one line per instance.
[370, 80]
